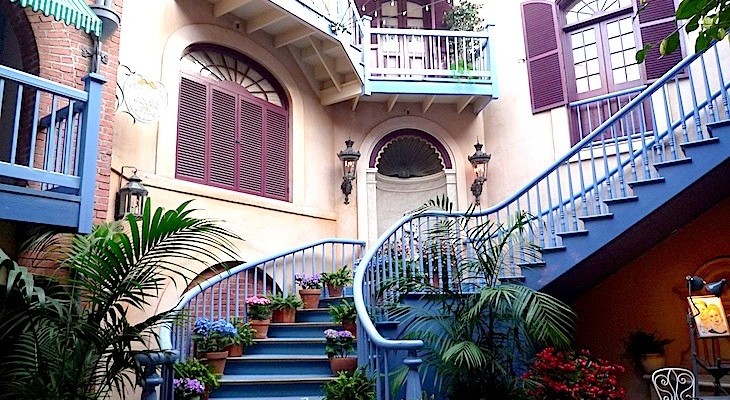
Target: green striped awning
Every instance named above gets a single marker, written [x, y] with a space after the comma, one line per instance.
[71, 12]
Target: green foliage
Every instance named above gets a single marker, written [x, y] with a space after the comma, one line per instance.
[339, 278]
[355, 387]
[279, 302]
[640, 342]
[343, 312]
[478, 337]
[245, 332]
[74, 340]
[709, 18]
[464, 17]
[194, 369]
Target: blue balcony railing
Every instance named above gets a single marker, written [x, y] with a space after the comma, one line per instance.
[48, 149]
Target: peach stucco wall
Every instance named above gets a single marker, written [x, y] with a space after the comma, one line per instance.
[649, 294]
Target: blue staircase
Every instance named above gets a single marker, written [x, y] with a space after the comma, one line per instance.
[290, 365]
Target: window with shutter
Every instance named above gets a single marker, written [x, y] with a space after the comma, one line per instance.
[543, 55]
[233, 125]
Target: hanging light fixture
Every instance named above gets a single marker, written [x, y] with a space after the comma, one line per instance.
[348, 157]
[131, 197]
[479, 161]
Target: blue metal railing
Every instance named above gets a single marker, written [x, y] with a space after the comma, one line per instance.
[223, 295]
[49, 137]
[647, 129]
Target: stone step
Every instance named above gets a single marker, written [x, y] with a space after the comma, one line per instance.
[278, 364]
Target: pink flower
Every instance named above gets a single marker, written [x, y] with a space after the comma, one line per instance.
[258, 300]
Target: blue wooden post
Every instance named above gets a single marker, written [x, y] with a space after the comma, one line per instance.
[150, 379]
[366, 61]
[413, 379]
[89, 149]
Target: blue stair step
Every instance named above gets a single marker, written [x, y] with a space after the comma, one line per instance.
[314, 315]
[267, 386]
[293, 346]
[301, 329]
[328, 301]
[278, 364]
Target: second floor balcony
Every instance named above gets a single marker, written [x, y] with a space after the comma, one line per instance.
[345, 59]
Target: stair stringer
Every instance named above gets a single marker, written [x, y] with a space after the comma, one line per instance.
[688, 189]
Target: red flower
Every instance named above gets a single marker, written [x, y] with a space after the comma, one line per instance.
[573, 376]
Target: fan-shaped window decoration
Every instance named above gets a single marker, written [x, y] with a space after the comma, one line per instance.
[408, 157]
[222, 65]
[233, 131]
[587, 9]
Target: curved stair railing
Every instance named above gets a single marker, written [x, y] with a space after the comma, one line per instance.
[600, 169]
[223, 295]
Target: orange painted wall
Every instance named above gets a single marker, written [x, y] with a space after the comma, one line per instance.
[649, 293]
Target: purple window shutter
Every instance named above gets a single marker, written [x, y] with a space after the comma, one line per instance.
[191, 130]
[276, 174]
[439, 9]
[656, 22]
[544, 55]
[250, 163]
[222, 164]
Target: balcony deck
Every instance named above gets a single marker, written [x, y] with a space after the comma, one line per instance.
[48, 150]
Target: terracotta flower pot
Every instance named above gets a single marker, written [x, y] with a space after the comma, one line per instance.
[285, 315]
[217, 360]
[261, 326]
[310, 297]
[234, 350]
[343, 364]
[350, 326]
[652, 362]
[334, 291]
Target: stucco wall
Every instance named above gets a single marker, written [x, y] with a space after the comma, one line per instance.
[650, 293]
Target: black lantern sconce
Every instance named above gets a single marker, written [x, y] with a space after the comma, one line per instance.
[348, 157]
[131, 197]
[480, 162]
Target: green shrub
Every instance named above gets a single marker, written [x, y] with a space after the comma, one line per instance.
[341, 277]
[343, 312]
[355, 387]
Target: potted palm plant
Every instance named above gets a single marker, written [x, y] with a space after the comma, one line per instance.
[345, 314]
[211, 338]
[242, 339]
[284, 308]
[259, 315]
[646, 349]
[338, 349]
[311, 289]
[337, 280]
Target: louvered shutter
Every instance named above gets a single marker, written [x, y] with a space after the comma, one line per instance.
[656, 22]
[191, 130]
[277, 155]
[439, 9]
[250, 164]
[543, 55]
[222, 161]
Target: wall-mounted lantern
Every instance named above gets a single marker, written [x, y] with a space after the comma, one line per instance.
[480, 162]
[131, 197]
[348, 157]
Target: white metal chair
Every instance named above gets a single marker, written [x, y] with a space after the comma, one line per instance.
[674, 384]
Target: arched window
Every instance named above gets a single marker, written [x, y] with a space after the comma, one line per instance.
[233, 124]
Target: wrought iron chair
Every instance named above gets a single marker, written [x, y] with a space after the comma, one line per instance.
[674, 384]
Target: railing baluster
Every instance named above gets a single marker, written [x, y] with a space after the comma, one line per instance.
[16, 124]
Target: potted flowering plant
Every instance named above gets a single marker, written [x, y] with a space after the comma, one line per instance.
[284, 308]
[345, 314]
[311, 289]
[188, 388]
[243, 338]
[211, 339]
[570, 375]
[337, 280]
[194, 369]
[338, 348]
[259, 315]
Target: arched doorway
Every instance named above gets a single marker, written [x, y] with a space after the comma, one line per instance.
[408, 167]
